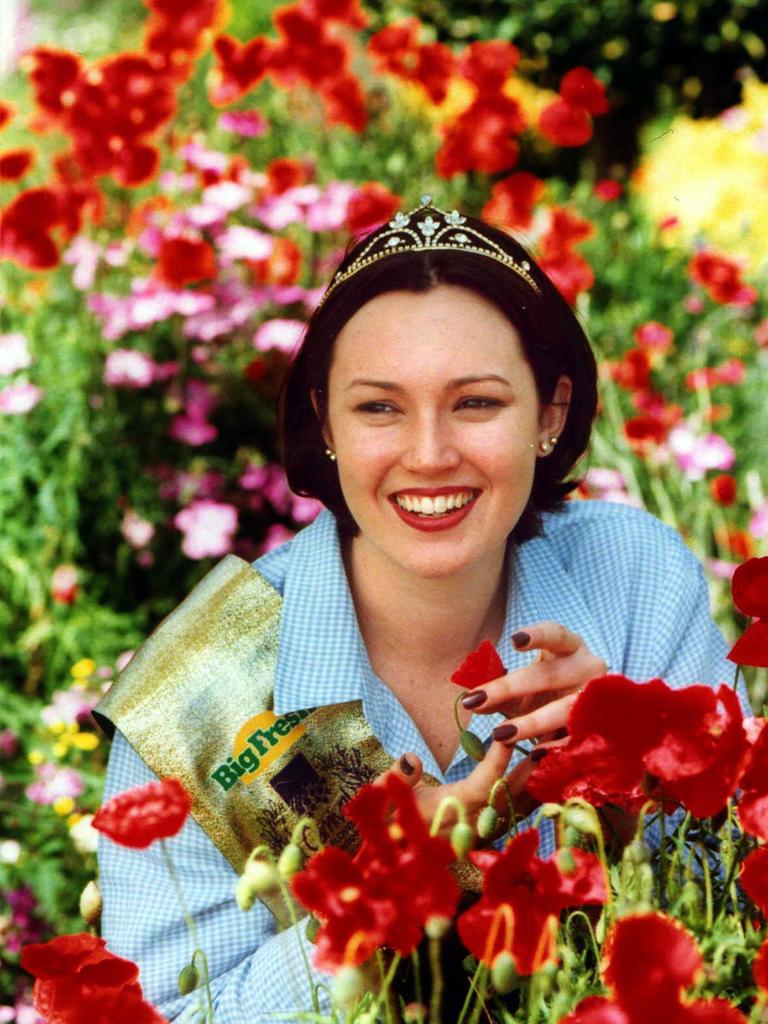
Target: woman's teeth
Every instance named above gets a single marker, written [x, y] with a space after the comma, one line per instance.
[437, 506]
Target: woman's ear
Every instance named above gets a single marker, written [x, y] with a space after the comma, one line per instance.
[322, 420]
[553, 415]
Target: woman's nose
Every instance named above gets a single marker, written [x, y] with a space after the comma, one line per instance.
[430, 448]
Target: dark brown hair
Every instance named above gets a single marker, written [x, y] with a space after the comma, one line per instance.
[552, 339]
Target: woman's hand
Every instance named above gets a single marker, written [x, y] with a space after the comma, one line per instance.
[536, 700]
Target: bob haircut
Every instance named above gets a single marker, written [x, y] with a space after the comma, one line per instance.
[552, 339]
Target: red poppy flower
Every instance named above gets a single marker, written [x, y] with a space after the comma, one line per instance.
[141, 815]
[394, 48]
[282, 266]
[284, 173]
[183, 261]
[671, 962]
[565, 124]
[513, 200]
[433, 67]
[53, 75]
[580, 87]
[14, 163]
[735, 541]
[608, 189]
[565, 230]
[753, 802]
[480, 666]
[644, 431]
[489, 64]
[27, 225]
[385, 894]
[754, 878]
[633, 371]
[7, 111]
[569, 273]
[306, 51]
[344, 101]
[239, 67]
[481, 139]
[370, 206]
[750, 595]
[721, 277]
[723, 489]
[78, 979]
[348, 12]
[629, 739]
[522, 898]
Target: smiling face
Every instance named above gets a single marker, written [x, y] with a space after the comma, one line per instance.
[435, 420]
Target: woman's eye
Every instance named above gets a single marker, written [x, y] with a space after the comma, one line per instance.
[376, 407]
[479, 403]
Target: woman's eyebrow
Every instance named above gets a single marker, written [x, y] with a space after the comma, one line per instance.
[458, 382]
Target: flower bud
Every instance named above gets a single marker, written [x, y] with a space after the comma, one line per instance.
[462, 838]
[580, 819]
[90, 902]
[437, 926]
[258, 879]
[565, 860]
[290, 862]
[472, 745]
[550, 810]
[636, 853]
[503, 973]
[487, 822]
[312, 929]
[189, 979]
[244, 894]
[348, 987]
[415, 1013]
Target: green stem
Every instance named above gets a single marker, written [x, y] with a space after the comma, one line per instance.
[736, 675]
[416, 961]
[473, 991]
[707, 888]
[480, 1001]
[436, 968]
[291, 906]
[386, 994]
[191, 926]
[445, 803]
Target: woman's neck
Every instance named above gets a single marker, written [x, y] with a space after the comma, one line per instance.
[422, 621]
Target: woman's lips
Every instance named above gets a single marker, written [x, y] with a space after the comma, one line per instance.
[437, 521]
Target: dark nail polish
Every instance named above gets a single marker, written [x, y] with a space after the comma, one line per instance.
[474, 699]
[406, 767]
[505, 732]
[521, 639]
[539, 754]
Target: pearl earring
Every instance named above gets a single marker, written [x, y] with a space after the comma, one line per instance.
[546, 446]
[331, 454]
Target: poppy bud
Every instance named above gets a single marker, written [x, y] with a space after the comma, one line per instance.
[90, 902]
[244, 894]
[462, 838]
[189, 979]
[290, 862]
[487, 822]
[550, 810]
[581, 820]
[472, 745]
[566, 861]
[348, 987]
[258, 879]
[503, 973]
[437, 926]
[415, 1013]
[312, 929]
[636, 853]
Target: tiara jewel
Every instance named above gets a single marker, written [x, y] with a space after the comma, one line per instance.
[427, 228]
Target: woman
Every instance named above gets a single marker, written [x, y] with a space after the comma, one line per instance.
[443, 392]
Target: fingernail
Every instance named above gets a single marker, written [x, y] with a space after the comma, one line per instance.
[521, 639]
[505, 732]
[539, 754]
[406, 767]
[474, 699]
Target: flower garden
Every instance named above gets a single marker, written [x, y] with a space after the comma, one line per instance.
[175, 189]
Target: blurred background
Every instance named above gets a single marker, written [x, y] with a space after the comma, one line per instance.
[177, 180]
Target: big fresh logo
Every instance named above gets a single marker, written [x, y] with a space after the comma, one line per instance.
[261, 740]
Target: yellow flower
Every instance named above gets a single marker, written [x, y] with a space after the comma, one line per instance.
[85, 741]
[36, 757]
[60, 749]
[64, 805]
[84, 668]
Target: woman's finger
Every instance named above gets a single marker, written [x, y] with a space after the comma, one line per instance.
[549, 636]
[408, 767]
[542, 720]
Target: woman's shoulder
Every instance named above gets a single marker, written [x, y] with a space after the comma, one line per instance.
[314, 545]
[617, 534]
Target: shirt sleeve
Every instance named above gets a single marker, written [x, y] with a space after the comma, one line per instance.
[255, 971]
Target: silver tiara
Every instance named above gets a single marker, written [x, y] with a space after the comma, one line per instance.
[428, 229]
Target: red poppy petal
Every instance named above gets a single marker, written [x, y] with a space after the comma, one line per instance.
[565, 124]
[750, 588]
[752, 646]
[760, 967]
[597, 1010]
[754, 878]
[669, 955]
[141, 815]
[480, 666]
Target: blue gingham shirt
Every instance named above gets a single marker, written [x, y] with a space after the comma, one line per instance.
[621, 579]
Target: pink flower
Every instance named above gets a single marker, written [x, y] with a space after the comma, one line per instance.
[84, 255]
[653, 335]
[16, 399]
[329, 212]
[69, 706]
[239, 242]
[204, 159]
[695, 455]
[208, 528]
[64, 586]
[127, 368]
[122, 660]
[53, 783]
[276, 535]
[758, 524]
[192, 431]
[280, 334]
[249, 123]
[304, 510]
[277, 212]
[137, 531]
[14, 354]
[693, 304]
[608, 190]
[721, 569]
[761, 333]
